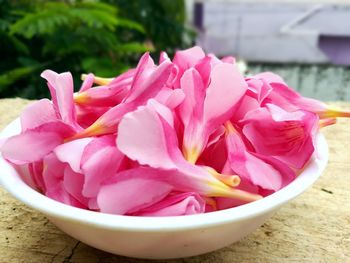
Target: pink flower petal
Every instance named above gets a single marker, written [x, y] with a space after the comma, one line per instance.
[53, 176]
[61, 88]
[128, 194]
[50, 76]
[192, 107]
[64, 92]
[287, 136]
[88, 82]
[37, 113]
[71, 152]
[73, 183]
[170, 98]
[226, 88]
[26, 175]
[34, 144]
[148, 81]
[36, 171]
[87, 115]
[157, 147]
[149, 146]
[185, 59]
[176, 204]
[252, 168]
[270, 77]
[101, 165]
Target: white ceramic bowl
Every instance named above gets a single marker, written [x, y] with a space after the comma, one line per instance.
[162, 237]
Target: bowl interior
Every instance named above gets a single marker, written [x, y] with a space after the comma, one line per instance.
[13, 183]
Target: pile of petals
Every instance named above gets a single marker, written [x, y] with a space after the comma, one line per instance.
[187, 136]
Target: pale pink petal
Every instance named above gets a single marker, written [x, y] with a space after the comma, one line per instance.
[191, 108]
[157, 147]
[64, 93]
[149, 79]
[88, 82]
[97, 144]
[185, 59]
[109, 95]
[177, 204]
[35, 143]
[128, 194]
[73, 183]
[37, 113]
[259, 88]
[53, 171]
[59, 194]
[170, 98]
[71, 152]
[50, 76]
[101, 165]
[270, 77]
[103, 96]
[141, 138]
[53, 176]
[246, 105]
[34, 146]
[204, 67]
[287, 136]
[226, 88]
[249, 166]
[163, 56]
[290, 100]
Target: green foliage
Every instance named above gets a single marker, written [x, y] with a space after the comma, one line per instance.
[103, 37]
[163, 21]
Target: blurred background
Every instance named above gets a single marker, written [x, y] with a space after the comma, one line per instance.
[306, 42]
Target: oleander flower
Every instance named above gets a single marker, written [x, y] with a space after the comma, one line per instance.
[190, 135]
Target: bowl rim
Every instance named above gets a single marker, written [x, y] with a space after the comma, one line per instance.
[12, 182]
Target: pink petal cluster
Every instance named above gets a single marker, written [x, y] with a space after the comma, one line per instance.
[187, 136]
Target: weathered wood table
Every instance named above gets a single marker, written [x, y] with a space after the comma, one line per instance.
[313, 228]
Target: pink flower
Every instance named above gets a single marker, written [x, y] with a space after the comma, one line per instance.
[187, 136]
[147, 82]
[176, 204]
[207, 106]
[108, 95]
[45, 125]
[263, 171]
[290, 100]
[157, 147]
[286, 136]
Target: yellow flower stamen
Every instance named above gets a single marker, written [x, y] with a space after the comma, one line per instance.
[98, 80]
[229, 128]
[191, 155]
[93, 130]
[333, 112]
[81, 98]
[230, 180]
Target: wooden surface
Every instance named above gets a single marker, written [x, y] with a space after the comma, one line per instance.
[313, 228]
